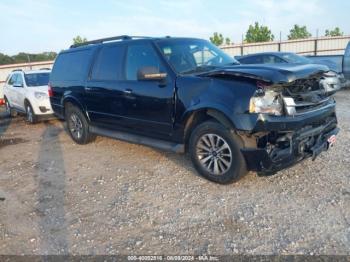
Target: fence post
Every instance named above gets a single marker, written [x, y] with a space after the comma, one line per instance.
[315, 48]
[279, 43]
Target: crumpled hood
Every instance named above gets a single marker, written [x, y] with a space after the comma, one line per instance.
[272, 73]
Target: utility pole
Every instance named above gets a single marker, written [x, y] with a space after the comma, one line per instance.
[279, 44]
[316, 44]
[30, 65]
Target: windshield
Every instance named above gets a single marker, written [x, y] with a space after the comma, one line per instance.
[37, 79]
[193, 55]
[293, 58]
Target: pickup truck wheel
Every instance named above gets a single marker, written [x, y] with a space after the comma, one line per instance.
[30, 115]
[78, 126]
[215, 153]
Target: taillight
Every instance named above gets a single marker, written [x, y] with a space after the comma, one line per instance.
[50, 91]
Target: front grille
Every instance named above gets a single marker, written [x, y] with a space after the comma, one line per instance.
[308, 95]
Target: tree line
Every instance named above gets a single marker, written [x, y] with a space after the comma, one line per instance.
[255, 33]
[260, 33]
[26, 57]
[23, 57]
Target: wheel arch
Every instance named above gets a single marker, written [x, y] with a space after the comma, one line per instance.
[26, 102]
[75, 102]
[196, 117]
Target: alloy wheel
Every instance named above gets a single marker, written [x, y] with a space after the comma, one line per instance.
[29, 114]
[76, 126]
[214, 153]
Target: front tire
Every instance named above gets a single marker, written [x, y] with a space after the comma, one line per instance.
[215, 153]
[31, 117]
[78, 125]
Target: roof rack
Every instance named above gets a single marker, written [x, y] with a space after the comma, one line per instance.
[17, 70]
[108, 39]
[45, 68]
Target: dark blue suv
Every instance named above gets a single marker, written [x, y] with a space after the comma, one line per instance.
[186, 95]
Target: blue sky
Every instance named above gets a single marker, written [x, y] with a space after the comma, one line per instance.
[38, 25]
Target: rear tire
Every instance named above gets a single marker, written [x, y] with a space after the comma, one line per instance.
[215, 153]
[9, 111]
[31, 117]
[77, 125]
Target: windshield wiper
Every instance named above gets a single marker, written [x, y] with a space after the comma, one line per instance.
[199, 69]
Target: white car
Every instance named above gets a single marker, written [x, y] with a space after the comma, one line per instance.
[27, 92]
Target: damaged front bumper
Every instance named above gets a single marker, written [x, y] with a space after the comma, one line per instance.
[284, 141]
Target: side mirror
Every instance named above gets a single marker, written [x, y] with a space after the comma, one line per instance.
[17, 85]
[150, 73]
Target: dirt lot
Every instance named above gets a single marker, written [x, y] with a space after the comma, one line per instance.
[111, 197]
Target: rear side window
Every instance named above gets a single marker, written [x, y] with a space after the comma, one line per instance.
[251, 60]
[271, 59]
[71, 66]
[108, 65]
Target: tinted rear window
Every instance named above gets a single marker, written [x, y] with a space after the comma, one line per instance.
[251, 60]
[71, 66]
[108, 65]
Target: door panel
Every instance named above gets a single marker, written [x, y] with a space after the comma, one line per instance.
[149, 103]
[116, 99]
[103, 100]
[20, 92]
[10, 92]
[102, 92]
[147, 107]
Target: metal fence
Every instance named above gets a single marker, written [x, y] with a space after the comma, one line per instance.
[310, 46]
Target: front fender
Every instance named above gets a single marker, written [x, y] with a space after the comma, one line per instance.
[229, 97]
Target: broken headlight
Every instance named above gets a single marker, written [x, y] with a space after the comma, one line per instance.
[266, 102]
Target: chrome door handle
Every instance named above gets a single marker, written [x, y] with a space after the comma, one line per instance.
[128, 91]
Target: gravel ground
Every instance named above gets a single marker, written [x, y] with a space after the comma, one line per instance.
[111, 197]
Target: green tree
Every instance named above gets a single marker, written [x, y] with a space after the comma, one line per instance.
[258, 33]
[25, 57]
[298, 32]
[79, 40]
[5, 59]
[218, 39]
[335, 32]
